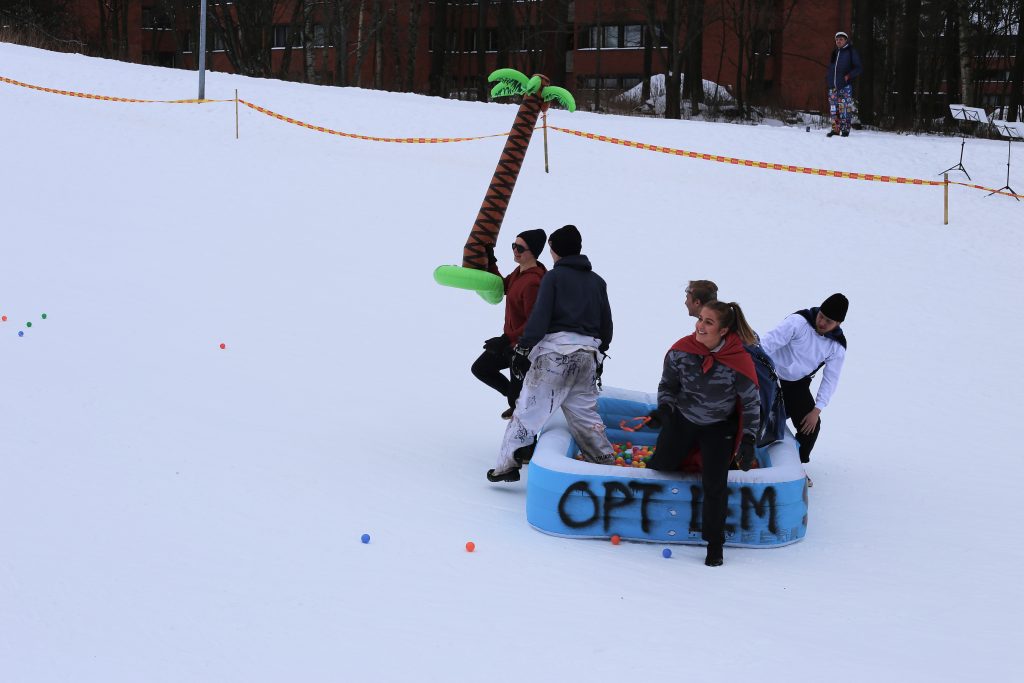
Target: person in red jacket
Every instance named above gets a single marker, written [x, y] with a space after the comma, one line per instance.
[521, 287]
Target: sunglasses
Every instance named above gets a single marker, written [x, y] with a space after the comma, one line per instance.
[518, 248]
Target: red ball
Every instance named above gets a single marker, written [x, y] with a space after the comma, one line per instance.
[470, 546]
[223, 346]
[615, 539]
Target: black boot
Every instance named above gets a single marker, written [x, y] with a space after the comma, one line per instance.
[714, 558]
[510, 476]
[524, 454]
[845, 133]
[830, 133]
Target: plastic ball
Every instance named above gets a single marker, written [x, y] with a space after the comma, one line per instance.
[666, 553]
[28, 324]
[470, 546]
[4, 318]
[223, 346]
[44, 316]
[20, 333]
[615, 539]
[365, 538]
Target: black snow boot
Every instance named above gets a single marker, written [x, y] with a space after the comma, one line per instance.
[845, 133]
[714, 558]
[510, 476]
[524, 454]
[829, 134]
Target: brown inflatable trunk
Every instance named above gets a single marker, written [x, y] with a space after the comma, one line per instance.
[492, 211]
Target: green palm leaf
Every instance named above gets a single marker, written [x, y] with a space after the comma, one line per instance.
[561, 96]
[509, 82]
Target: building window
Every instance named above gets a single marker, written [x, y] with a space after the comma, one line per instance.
[281, 34]
[633, 35]
[319, 35]
[612, 37]
[188, 45]
[469, 40]
[763, 43]
[154, 19]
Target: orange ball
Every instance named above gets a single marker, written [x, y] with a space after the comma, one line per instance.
[470, 546]
[615, 539]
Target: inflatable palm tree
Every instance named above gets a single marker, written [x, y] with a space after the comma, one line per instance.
[537, 93]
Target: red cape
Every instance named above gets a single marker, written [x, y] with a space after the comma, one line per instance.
[732, 355]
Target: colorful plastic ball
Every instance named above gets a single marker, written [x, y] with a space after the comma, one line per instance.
[28, 324]
[20, 333]
[470, 546]
[615, 539]
[44, 316]
[4, 318]
[223, 346]
[365, 538]
[666, 553]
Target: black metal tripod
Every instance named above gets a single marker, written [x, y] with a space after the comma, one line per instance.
[1009, 145]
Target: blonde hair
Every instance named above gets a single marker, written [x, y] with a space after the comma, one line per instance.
[730, 316]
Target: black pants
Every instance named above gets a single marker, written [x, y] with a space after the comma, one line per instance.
[717, 441]
[487, 368]
[797, 397]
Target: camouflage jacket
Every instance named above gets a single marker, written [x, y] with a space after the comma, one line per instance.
[706, 398]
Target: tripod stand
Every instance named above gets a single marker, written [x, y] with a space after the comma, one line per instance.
[964, 114]
[1012, 132]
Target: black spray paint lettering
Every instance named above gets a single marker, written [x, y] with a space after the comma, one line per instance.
[616, 495]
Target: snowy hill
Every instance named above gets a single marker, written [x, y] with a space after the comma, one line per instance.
[174, 511]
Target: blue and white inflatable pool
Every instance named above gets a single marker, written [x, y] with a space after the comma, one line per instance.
[568, 497]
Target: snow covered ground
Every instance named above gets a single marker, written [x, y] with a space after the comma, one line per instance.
[172, 511]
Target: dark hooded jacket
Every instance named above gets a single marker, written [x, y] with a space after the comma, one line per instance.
[572, 298]
[844, 63]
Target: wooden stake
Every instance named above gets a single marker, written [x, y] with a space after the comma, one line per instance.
[945, 198]
[236, 113]
[546, 170]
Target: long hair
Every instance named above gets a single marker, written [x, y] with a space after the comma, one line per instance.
[731, 317]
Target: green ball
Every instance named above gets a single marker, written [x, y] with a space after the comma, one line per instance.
[44, 316]
[28, 324]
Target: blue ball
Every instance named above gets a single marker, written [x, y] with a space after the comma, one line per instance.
[666, 553]
[365, 538]
[20, 333]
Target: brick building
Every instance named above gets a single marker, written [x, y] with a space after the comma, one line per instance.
[773, 53]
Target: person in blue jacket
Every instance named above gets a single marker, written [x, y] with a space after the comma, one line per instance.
[843, 68]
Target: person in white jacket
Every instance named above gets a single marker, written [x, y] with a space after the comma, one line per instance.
[800, 345]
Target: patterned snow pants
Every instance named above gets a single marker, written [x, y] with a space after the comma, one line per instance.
[840, 106]
[558, 381]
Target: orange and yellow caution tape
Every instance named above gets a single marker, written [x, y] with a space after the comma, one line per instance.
[105, 98]
[790, 168]
[372, 138]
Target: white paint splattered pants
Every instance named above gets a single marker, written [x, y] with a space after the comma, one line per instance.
[557, 381]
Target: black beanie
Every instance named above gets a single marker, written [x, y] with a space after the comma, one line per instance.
[566, 241]
[835, 307]
[535, 240]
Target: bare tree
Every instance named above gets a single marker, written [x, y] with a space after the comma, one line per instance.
[906, 64]
[1017, 73]
[414, 37]
[439, 31]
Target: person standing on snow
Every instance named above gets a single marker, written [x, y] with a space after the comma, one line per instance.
[802, 344]
[566, 337]
[843, 68]
[698, 293]
[521, 287]
[708, 397]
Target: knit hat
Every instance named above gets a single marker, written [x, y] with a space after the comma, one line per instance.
[535, 240]
[843, 34]
[566, 241]
[835, 307]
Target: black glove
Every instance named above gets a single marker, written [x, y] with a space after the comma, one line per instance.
[496, 343]
[598, 371]
[745, 456]
[492, 260]
[520, 362]
[658, 416]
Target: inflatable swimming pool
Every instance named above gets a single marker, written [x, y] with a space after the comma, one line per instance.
[568, 497]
